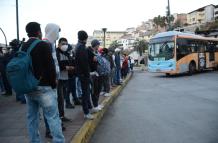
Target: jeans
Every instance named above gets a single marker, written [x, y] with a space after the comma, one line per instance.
[45, 98]
[117, 76]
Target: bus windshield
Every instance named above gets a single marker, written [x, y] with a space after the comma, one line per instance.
[161, 51]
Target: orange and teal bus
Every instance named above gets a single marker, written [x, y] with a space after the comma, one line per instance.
[176, 52]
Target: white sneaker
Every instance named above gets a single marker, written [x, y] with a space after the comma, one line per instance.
[89, 116]
[100, 106]
[107, 94]
[94, 110]
[102, 93]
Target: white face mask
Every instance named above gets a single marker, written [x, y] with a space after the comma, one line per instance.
[64, 48]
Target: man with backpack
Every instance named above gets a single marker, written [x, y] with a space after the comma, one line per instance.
[44, 96]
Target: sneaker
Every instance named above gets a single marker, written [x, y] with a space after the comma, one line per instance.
[100, 106]
[70, 106]
[102, 93]
[94, 110]
[89, 116]
[107, 94]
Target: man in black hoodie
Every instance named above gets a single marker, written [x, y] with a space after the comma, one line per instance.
[44, 97]
[83, 72]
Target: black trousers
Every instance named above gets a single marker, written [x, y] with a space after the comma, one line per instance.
[96, 84]
[71, 89]
[62, 91]
[85, 85]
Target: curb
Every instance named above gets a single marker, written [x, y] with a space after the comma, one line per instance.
[88, 128]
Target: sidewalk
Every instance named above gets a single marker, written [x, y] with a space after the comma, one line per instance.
[13, 120]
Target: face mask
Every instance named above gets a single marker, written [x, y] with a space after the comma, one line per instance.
[64, 48]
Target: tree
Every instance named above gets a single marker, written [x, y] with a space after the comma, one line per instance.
[140, 46]
[113, 46]
[160, 21]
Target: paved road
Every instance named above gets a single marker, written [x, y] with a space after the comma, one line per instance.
[158, 109]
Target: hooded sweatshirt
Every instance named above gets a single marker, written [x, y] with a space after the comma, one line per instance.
[52, 34]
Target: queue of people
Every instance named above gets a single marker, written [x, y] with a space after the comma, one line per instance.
[64, 73]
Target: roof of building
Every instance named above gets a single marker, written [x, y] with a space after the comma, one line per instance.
[200, 9]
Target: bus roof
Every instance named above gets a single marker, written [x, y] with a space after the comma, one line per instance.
[182, 35]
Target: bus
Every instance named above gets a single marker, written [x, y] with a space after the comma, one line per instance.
[175, 52]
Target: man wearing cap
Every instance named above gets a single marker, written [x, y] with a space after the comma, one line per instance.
[83, 72]
[95, 80]
[44, 97]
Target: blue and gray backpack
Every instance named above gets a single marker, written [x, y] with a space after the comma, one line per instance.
[104, 65]
[20, 73]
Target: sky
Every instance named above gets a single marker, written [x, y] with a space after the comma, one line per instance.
[88, 15]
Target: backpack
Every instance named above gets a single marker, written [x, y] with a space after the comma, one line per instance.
[20, 73]
[104, 65]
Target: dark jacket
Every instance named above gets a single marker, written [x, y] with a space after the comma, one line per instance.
[62, 62]
[43, 64]
[82, 60]
[92, 64]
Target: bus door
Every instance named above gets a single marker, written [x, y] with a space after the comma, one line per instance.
[210, 56]
[201, 58]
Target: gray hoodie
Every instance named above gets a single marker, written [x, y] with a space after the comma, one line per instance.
[52, 34]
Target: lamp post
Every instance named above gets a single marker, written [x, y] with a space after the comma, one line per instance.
[17, 19]
[104, 30]
[4, 36]
[168, 15]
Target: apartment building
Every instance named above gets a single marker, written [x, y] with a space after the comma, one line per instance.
[182, 18]
[201, 15]
[216, 12]
[110, 36]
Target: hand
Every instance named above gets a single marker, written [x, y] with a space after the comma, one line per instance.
[95, 59]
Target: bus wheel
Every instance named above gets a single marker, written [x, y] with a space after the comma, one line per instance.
[192, 68]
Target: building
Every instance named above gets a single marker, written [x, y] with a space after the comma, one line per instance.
[130, 30]
[216, 12]
[89, 40]
[181, 18]
[126, 42]
[110, 36]
[202, 15]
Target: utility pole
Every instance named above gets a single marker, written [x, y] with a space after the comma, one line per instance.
[17, 18]
[104, 30]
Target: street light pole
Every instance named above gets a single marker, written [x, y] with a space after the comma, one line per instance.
[17, 18]
[168, 15]
[4, 36]
[104, 30]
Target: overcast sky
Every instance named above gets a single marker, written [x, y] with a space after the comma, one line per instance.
[88, 15]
